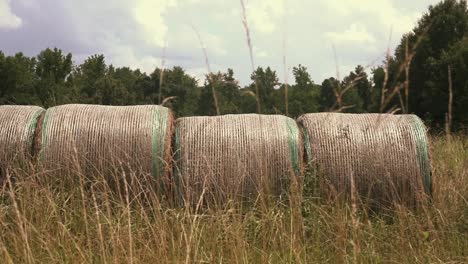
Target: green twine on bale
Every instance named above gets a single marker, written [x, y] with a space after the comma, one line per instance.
[306, 143]
[32, 127]
[102, 138]
[17, 130]
[294, 144]
[160, 119]
[43, 135]
[177, 178]
[386, 155]
[423, 154]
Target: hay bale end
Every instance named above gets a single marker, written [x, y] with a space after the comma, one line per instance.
[101, 139]
[17, 129]
[385, 157]
[236, 156]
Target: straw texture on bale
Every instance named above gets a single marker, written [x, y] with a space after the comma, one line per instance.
[236, 156]
[385, 156]
[17, 128]
[100, 139]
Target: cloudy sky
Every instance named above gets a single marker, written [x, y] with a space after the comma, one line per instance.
[134, 32]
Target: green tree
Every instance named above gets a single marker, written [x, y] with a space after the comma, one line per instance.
[180, 89]
[52, 69]
[327, 95]
[133, 82]
[111, 91]
[440, 29]
[358, 94]
[457, 58]
[267, 81]
[92, 71]
[377, 82]
[17, 80]
[228, 93]
[304, 95]
[364, 88]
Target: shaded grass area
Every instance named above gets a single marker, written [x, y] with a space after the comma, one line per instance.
[73, 219]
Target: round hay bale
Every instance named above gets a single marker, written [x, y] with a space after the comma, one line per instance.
[236, 156]
[17, 128]
[385, 157]
[102, 139]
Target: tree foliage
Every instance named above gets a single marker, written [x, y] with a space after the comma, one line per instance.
[419, 66]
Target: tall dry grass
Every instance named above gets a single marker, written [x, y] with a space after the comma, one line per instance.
[79, 219]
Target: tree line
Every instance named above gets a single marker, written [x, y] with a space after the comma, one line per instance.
[428, 67]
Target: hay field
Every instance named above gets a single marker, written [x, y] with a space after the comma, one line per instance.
[75, 219]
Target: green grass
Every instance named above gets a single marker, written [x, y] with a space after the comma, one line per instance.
[72, 219]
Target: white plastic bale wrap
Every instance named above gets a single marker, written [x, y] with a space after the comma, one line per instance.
[94, 138]
[17, 128]
[236, 156]
[386, 156]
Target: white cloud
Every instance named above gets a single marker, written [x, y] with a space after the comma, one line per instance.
[132, 33]
[382, 12]
[199, 73]
[8, 20]
[29, 3]
[263, 15]
[124, 55]
[185, 39]
[262, 54]
[215, 44]
[149, 14]
[356, 34]
[259, 53]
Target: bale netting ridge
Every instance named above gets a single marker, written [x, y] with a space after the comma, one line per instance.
[102, 139]
[17, 129]
[236, 157]
[385, 157]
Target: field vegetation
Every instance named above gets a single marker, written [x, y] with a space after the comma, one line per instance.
[79, 219]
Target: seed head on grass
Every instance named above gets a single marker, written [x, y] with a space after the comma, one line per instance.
[210, 73]
[249, 44]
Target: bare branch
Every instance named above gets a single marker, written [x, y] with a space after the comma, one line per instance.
[168, 99]
[448, 123]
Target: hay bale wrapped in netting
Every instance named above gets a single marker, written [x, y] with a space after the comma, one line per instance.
[234, 156]
[99, 139]
[17, 129]
[386, 156]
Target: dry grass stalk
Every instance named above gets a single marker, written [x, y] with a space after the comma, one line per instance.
[51, 211]
[210, 76]
[407, 76]
[249, 44]
[235, 156]
[388, 94]
[338, 91]
[386, 76]
[100, 139]
[285, 69]
[168, 99]
[386, 154]
[448, 123]
[354, 220]
[129, 221]
[99, 225]
[84, 212]
[20, 220]
[161, 73]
